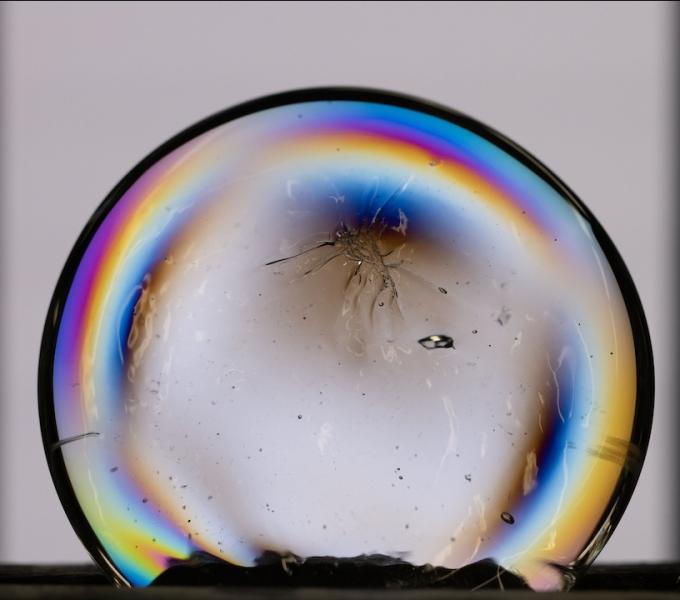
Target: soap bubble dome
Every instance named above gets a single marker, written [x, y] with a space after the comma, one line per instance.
[344, 323]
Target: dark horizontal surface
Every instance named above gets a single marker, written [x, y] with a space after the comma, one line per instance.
[374, 571]
[605, 582]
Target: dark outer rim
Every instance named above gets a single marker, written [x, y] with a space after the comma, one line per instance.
[642, 342]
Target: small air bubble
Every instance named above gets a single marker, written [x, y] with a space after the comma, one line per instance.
[508, 518]
[436, 341]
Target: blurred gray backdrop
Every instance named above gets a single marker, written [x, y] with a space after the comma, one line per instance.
[91, 88]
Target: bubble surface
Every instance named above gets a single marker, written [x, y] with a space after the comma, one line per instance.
[343, 324]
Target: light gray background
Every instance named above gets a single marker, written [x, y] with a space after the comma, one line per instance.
[91, 88]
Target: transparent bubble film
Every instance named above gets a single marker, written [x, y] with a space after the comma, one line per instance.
[342, 328]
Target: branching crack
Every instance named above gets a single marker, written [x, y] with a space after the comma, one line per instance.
[360, 246]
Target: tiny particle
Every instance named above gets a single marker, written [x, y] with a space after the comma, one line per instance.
[475, 331]
[401, 476]
[442, 290]
[507, 518]
[468, 477]
[503, 316]
[432, 342]
[113, 469]
[299, 416]
[145, 500]
[406, 526]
